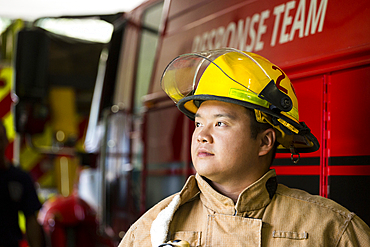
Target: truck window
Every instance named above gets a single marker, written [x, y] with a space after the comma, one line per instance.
[148, 46]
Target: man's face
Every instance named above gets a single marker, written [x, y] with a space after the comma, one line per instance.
[222, 148]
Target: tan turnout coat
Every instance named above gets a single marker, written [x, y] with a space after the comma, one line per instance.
[266, 214]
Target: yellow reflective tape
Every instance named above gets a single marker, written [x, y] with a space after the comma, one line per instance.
[29, 158]
[47, 180]
[22, 221]
[247, 96]
[6, 74]
[9, 126]
[288, 125]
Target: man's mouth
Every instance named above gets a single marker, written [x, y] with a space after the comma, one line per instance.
[204, 153]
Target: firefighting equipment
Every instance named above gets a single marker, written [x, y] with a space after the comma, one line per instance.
[242, 78]
[70, 221]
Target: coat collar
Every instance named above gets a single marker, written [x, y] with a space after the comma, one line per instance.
[255, 197]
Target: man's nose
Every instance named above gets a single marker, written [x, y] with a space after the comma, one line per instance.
[204, 135]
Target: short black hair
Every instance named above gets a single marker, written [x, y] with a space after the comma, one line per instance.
[256, 127]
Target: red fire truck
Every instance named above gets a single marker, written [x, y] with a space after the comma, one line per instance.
[143, 141]
[322, 45]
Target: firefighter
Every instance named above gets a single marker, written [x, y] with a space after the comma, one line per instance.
[17, 193]
[245, 109]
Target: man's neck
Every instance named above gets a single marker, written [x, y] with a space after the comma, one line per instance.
[233, 188]
[232, 193]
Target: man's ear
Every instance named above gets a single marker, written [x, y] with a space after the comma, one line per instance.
[267, 141]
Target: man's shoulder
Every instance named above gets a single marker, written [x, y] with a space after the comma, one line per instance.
[316, 204]
[294, 210]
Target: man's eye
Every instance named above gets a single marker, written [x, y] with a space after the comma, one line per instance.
[197, 124]
[220, 124]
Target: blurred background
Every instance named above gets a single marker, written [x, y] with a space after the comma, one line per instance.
[87, 119]
[50, 54]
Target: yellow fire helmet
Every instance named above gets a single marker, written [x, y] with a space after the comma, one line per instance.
[242, 78]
